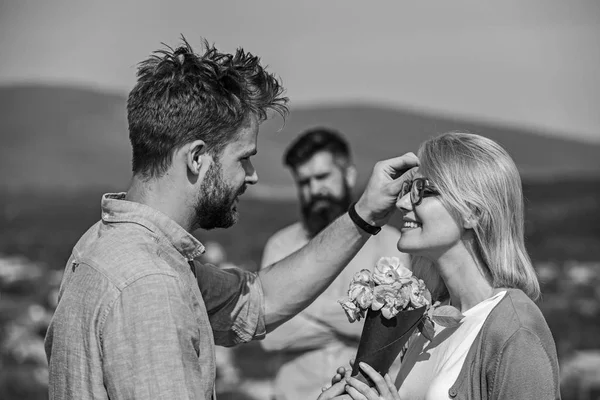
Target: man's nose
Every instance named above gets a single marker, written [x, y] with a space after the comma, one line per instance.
[251, 175]
[315, 187]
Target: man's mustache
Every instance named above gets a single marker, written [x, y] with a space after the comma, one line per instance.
[316, 199]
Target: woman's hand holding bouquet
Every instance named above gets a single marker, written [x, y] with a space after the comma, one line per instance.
[394, 303]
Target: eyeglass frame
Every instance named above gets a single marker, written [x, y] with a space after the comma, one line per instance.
[421, 193]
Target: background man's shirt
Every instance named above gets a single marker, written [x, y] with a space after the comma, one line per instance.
[313, 344]
[131, 322]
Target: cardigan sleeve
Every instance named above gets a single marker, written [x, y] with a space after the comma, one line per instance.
[524, 370]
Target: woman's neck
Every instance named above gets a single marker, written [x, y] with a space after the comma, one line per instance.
[464, 276]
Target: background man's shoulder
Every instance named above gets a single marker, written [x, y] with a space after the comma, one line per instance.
[386, 243]
[283, 243]
[291, 232]
[388, 235]
[388, 230]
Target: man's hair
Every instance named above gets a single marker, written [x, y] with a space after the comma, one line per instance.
[314, 141]
[181, 96]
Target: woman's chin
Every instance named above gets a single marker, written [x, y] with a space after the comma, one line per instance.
[407, 247]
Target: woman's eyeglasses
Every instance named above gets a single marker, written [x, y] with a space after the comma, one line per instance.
[418, 188]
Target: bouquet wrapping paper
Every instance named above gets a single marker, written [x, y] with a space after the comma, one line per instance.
[383, 339]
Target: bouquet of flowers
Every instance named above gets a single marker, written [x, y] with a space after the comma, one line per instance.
[394, 303]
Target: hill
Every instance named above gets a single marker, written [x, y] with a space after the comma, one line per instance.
[376, 133]
[75, 138]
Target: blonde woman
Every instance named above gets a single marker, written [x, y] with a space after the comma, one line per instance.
[463, 220]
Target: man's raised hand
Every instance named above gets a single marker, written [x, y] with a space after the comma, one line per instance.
[377, 203]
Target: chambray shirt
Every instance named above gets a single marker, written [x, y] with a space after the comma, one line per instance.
[131, 322]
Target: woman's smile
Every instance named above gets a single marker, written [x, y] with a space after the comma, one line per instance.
[408, 224]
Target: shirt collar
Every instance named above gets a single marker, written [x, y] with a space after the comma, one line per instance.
[116, 209]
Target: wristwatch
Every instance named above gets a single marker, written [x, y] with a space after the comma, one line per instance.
[361, 223]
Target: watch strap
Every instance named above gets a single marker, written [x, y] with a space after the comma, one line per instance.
[361, 223]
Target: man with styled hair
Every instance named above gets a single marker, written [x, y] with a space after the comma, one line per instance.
[320, 339]
[138, 316]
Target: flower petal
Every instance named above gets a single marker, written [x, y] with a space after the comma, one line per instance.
[363, 276]
[403, 272]
[389, 312]
[352, 311]
[377, 303]
[388, 262]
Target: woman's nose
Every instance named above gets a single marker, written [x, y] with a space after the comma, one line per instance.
[404, 203]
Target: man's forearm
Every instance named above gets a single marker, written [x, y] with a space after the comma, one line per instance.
[294, 282]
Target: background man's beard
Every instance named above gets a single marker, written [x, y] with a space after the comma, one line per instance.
[215, 207]
[316, 220]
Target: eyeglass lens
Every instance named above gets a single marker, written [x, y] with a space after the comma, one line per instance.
[415, 188]
[416, 193]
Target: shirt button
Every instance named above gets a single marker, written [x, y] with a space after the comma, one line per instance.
[452, 393]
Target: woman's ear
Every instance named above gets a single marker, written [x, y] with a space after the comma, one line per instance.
[471, 221]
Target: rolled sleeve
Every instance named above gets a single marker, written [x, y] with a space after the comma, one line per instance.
[148, 346]
[234, 301]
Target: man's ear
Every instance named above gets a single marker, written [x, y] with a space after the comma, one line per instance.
[350, 176]
[196, 156]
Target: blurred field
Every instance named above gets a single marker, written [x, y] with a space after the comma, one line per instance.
[40, 228]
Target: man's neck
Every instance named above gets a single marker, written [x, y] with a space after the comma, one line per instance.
[162, 195]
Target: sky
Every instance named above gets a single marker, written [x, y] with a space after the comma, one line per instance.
[532, 64]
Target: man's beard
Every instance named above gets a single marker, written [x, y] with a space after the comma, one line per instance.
[329, 209]
[215, 207]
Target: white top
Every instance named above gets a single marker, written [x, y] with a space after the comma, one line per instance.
[429, 369]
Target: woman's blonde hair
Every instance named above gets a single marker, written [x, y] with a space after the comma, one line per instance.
[477, 179]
